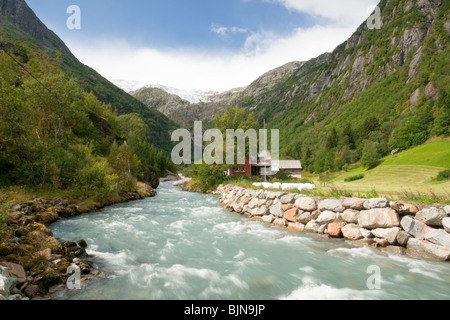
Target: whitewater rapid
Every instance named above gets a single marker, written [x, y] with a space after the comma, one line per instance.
[185, 246]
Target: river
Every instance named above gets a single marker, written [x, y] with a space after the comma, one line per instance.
[185, 246]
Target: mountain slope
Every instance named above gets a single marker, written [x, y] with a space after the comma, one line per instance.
[185, 113]
[19, 24]
[387, 86]
[380, 90]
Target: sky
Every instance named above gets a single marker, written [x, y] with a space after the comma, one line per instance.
[200, 44]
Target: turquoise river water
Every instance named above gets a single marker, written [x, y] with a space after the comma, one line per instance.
[185, 246]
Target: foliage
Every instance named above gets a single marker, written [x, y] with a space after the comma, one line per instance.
[355, 178]
[53, 135]
[443, 175]
[207, 177]
[370, 155]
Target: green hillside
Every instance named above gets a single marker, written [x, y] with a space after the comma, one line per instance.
[414, 170]
[380, 90]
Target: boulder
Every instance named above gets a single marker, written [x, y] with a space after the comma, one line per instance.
[403, 207]
[304, 217]
[353, 203]
[291, 215]
[395, 250]
[352, 232]
[268, 219]
[286, 207]
[327, 217]
[431, 216]
[379, 218]
[447, 210]
[381, 242]
[296, 227]
[276, 210]
[16, 271]
[315, 214]
[350, 216]
[331, 205]
[389, 234]
[238, 207]
[279, 222]
[367, 234]
[289, 198]
[421, 231]
[423, 249]
[446, 224]
[335, 229]
[306, 204]
[262, 211]
[312, 226]
[375, 203]
[253, 203]
[403, 238]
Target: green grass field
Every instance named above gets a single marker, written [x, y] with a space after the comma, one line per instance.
[413, 170]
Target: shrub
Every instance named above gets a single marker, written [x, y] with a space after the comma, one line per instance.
[443, 175]
[354, 178]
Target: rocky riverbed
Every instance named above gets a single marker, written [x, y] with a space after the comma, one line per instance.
[419, 231]
[33, 263]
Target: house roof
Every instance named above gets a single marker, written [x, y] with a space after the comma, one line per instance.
[287, 164]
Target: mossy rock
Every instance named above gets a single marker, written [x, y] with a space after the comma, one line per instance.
[5, 249]
[48, 279]
[62, 266]
[48, 217]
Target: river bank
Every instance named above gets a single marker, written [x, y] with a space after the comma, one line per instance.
[418, 231]
[33, 263]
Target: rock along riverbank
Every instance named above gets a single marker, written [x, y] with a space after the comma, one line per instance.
[34, 264]
[418, 231]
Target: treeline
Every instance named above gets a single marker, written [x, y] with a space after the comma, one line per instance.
[54, 135]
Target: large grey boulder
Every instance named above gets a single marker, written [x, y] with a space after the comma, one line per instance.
[331, 205]
[289, 198]
[262, 211]
[312, 226]
[350, 216]
[354, 203]
[379, 218]
[389, 234]
[376, 203]
[327, 217]
[7, 283]
[421, 231]
[446, 224]
[276, 210]
[423, 249]
[306, 204]
[431, 216]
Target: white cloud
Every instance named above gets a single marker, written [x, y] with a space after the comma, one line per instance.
[188, 68]
[194, 69]
[226, 31]
[346, 12]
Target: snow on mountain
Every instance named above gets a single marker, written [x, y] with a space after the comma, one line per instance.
[193, 96]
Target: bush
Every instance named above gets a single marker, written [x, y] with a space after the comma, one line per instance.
[371, 155]
[354, 178]
[443, 175]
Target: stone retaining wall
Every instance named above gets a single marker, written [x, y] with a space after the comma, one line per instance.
[419, 231]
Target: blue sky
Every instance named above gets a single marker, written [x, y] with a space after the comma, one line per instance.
[201, 44]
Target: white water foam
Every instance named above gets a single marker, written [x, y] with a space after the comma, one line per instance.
[312, 290]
